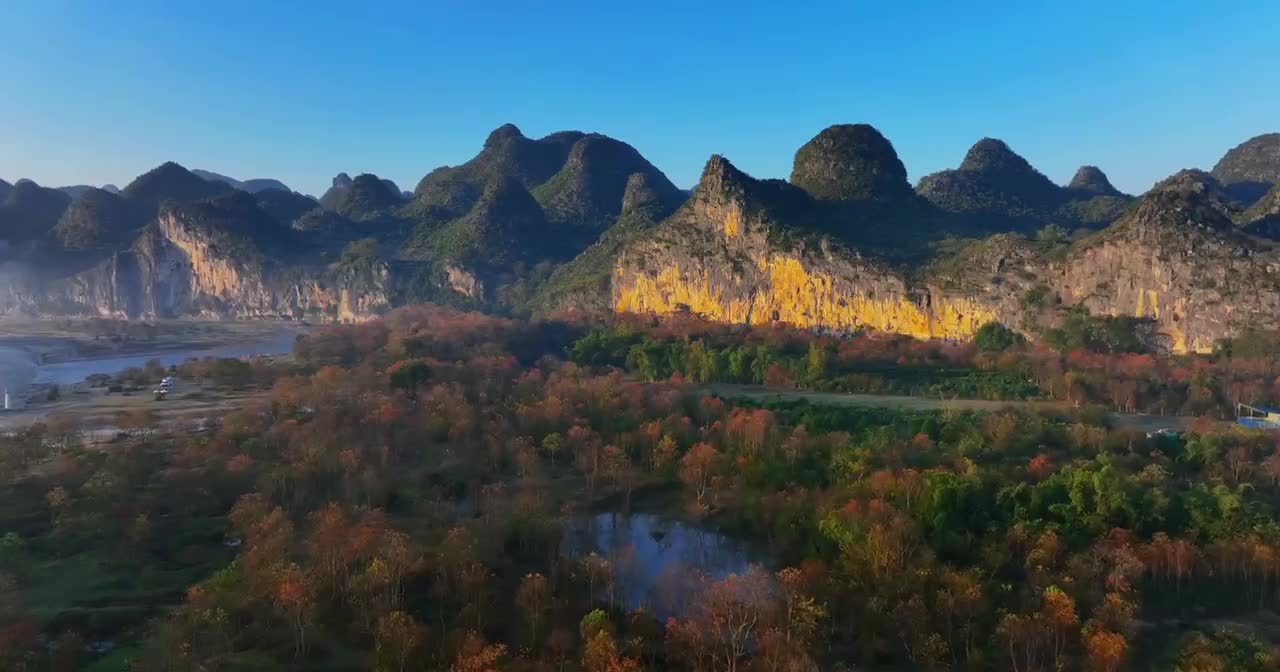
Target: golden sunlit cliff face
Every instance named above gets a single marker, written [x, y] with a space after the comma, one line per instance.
[1169, 260]
[715, 259]
[190, 275]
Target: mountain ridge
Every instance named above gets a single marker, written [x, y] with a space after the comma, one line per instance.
[581, 221]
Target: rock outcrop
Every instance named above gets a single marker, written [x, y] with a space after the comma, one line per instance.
[367, 197]
[1091, 180]
[1263, 219]
[1175, 259]
[582, 221]
[851, 162]
[998, 190]
[586, 195]
[1251, 168]
[208, 260]
[720, 257]
[521, 204]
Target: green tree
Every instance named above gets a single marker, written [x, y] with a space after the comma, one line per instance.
[995, 337]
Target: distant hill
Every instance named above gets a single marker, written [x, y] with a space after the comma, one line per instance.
[1249, 170]
[523, 203]
[285, 206]
[252, 186]
[583, 222]
[367, 197]
[171, 182]
[996, 185]
[29, 211]
[96, 219]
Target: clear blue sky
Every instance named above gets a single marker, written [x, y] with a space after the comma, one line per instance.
[97, 92]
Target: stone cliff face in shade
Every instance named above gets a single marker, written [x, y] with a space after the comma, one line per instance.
[180, 267]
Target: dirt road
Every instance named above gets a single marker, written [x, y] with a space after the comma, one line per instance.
[1145, 423]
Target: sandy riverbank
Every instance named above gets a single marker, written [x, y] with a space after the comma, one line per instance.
[36, 356]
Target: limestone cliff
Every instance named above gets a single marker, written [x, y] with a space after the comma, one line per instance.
[728, 255]
[721, 256]
[181, 267]
[1179, 261]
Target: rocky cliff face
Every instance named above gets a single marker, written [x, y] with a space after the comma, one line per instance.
[177, 268]
[1175, 259]
[720, 257]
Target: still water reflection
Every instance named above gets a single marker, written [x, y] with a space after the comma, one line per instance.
[657, 562]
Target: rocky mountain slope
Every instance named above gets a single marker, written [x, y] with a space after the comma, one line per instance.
[29, 211]
[581, 221]
[174, 243]
[742, 251]
[251, 186]
[997, 186]
[1251, 168]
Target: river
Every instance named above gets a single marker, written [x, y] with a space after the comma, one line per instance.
[20, 365]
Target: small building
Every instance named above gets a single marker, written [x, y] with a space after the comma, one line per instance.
[1259, 417]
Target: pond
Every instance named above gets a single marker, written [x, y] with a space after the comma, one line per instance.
[658, 561]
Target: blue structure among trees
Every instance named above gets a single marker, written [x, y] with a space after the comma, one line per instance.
[1260, 417]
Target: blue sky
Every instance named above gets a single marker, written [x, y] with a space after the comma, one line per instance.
[98, 92]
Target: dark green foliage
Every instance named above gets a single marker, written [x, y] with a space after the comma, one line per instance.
[337, 189]
[603, 347]
[97, 219]
[507, 154]
[30, 211]
[253, 186]
[285, 206]
[1263, 219]
[1221, 649]
[997, 184]
[171, 182]
[1251, 344]
[815, 364]
[505, 226]
[584, 280]
[589, 191]
[360, 252]
[239, 228]
[1103, 334]
[851, 162]
[409, 374]
[367, 197]
[230, 373]
[1251, 168]
[1035, 297]
[1091, 180]
[995, 337]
